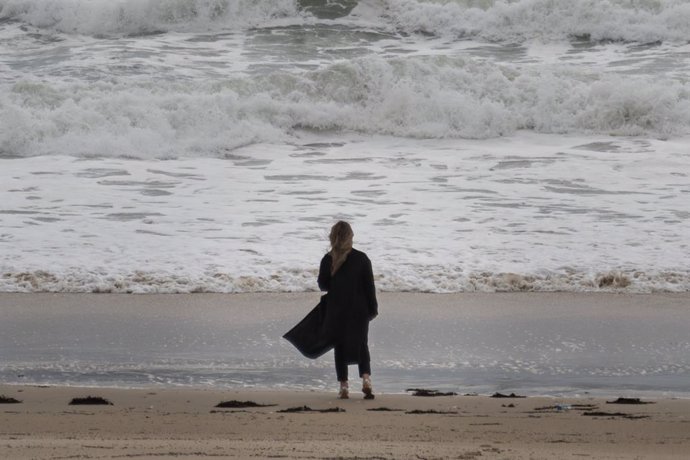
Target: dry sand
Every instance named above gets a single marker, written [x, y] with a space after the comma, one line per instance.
[182, 424]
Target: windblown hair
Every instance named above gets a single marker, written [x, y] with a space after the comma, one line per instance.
[341, 244]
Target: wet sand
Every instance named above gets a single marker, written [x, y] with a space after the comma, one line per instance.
[563, 344]
[184, 423]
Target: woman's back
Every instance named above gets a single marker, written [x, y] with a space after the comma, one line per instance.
[351, 291]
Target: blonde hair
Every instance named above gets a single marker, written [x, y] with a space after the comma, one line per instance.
[341, 244]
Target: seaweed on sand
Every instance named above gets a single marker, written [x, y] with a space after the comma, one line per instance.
[90, 401]
[304, 409]
[431, 411]
[511, 395]
[429, 393]
[8, 400]
[628, 401]
[234, 404]
[566, 407]
[614, 414]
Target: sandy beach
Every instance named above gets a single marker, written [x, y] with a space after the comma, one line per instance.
[185, 423]
[516, 171]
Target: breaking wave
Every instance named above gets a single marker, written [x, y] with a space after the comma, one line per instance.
[415, 279]
[495, 20]
[642, 21]
[436, 97]
[141, 17]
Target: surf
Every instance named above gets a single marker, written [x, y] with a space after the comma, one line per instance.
[328, 9]
[427, 97]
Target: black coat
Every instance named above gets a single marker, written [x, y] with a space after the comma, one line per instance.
[342, 317]
[351, 303]
[310, 336]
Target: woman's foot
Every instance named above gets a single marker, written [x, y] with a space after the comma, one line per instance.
[367, 388]
[344, 392]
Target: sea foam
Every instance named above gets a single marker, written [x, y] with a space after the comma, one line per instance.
[529, 213]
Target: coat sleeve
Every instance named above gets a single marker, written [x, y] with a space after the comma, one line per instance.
[324, 278]
[370, 290]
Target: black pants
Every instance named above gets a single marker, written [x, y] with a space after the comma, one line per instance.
[364, 363]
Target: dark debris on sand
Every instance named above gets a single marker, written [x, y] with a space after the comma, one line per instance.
[511, 395]
[585, 407]
[429, 393]
[628, 401]
[566, 407]
[7, 400]
[384, 409]
[234, 404]
[229, 411]
[90, 401]
[304, 409]
[431, 411]
[614, 414]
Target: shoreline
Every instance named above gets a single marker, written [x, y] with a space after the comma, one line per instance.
[612, 395]
[184, 423]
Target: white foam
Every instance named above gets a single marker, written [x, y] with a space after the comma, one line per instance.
[529, 213]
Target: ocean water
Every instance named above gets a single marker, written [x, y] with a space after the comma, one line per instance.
[474, 145]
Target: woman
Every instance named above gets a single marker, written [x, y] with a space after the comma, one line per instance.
[347, 276]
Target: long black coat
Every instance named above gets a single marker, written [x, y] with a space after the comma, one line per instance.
[351, 303]
[342, 317]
